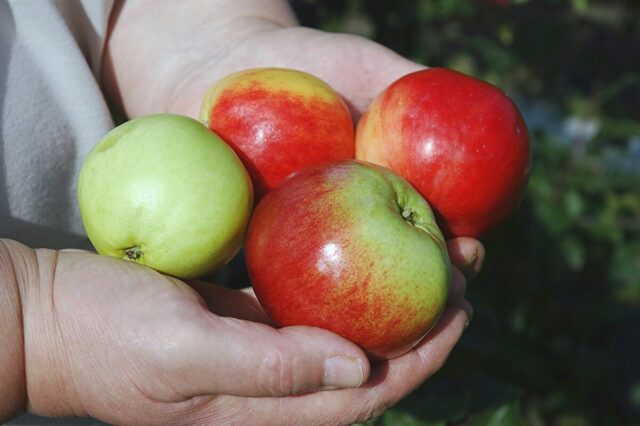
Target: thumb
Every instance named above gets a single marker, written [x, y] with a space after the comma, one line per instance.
[242, 358]
[467, 254]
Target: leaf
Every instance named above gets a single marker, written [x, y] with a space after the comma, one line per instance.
[439, 399]
[574, 252]
[397, 418]
[580, 5]
[505, 415]
[624, 272]
[573, 204]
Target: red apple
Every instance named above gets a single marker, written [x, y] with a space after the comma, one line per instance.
[460, 141]
[350, 247]
[279, 121]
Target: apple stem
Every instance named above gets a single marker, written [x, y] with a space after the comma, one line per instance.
[407, 215]
[133, 253]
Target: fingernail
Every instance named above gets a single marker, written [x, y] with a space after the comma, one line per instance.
[470, 262]
[468, 308]
[343, 372]
[474, 256]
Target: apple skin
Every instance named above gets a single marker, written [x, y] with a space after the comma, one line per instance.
[279, 120]
[165, 192]
[330, 248]
[461, 142]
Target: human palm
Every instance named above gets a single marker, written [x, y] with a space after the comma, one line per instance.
[128, 345]
[166, 352]
[355, 67]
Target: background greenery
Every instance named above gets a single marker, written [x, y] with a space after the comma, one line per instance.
[556, 336]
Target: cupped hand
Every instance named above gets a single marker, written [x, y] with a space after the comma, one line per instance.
[240, 34]
[357, 68]
[165, 353]
[127, 345]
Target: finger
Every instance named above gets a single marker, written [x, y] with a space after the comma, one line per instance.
[432, 352]
[468, 308]
[236, 357]
[467, 254]
[75, 250]
[389, 382]
[225, 302]
[458, 287]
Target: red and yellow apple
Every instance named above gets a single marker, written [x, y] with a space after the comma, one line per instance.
[461, 142]
[350, 247]
[279, 121]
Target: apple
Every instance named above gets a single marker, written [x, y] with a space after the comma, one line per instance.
[461, 142]
[165, 192]
[350, 247]
[279, 120]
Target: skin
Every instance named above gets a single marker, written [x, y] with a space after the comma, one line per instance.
[167, 193]
[70, 318]
[279, 121]
[460, 141]
[351, 263]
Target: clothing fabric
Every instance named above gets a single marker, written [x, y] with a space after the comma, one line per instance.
[52, 112]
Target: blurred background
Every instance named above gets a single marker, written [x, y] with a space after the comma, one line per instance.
[556, 335]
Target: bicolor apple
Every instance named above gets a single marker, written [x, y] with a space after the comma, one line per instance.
[350, 247]
[278, 121]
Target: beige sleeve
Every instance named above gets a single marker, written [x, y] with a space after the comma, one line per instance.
[52, 112]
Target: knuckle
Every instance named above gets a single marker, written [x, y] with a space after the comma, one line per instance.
[370, 411]
[375, 407]
[275, 374]
[381, 407]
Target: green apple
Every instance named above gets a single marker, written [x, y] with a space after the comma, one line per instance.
[166, 192]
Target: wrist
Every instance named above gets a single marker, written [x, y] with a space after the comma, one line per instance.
[12, 364]
[33, 364]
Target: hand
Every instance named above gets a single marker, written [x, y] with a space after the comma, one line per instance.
[122, 343]
[355, 67]
[185, 47]
[181, 62]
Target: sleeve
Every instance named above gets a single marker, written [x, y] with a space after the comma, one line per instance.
[52, 112]
[88, 22]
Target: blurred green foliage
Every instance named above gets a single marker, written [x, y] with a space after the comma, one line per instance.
[556, 335]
